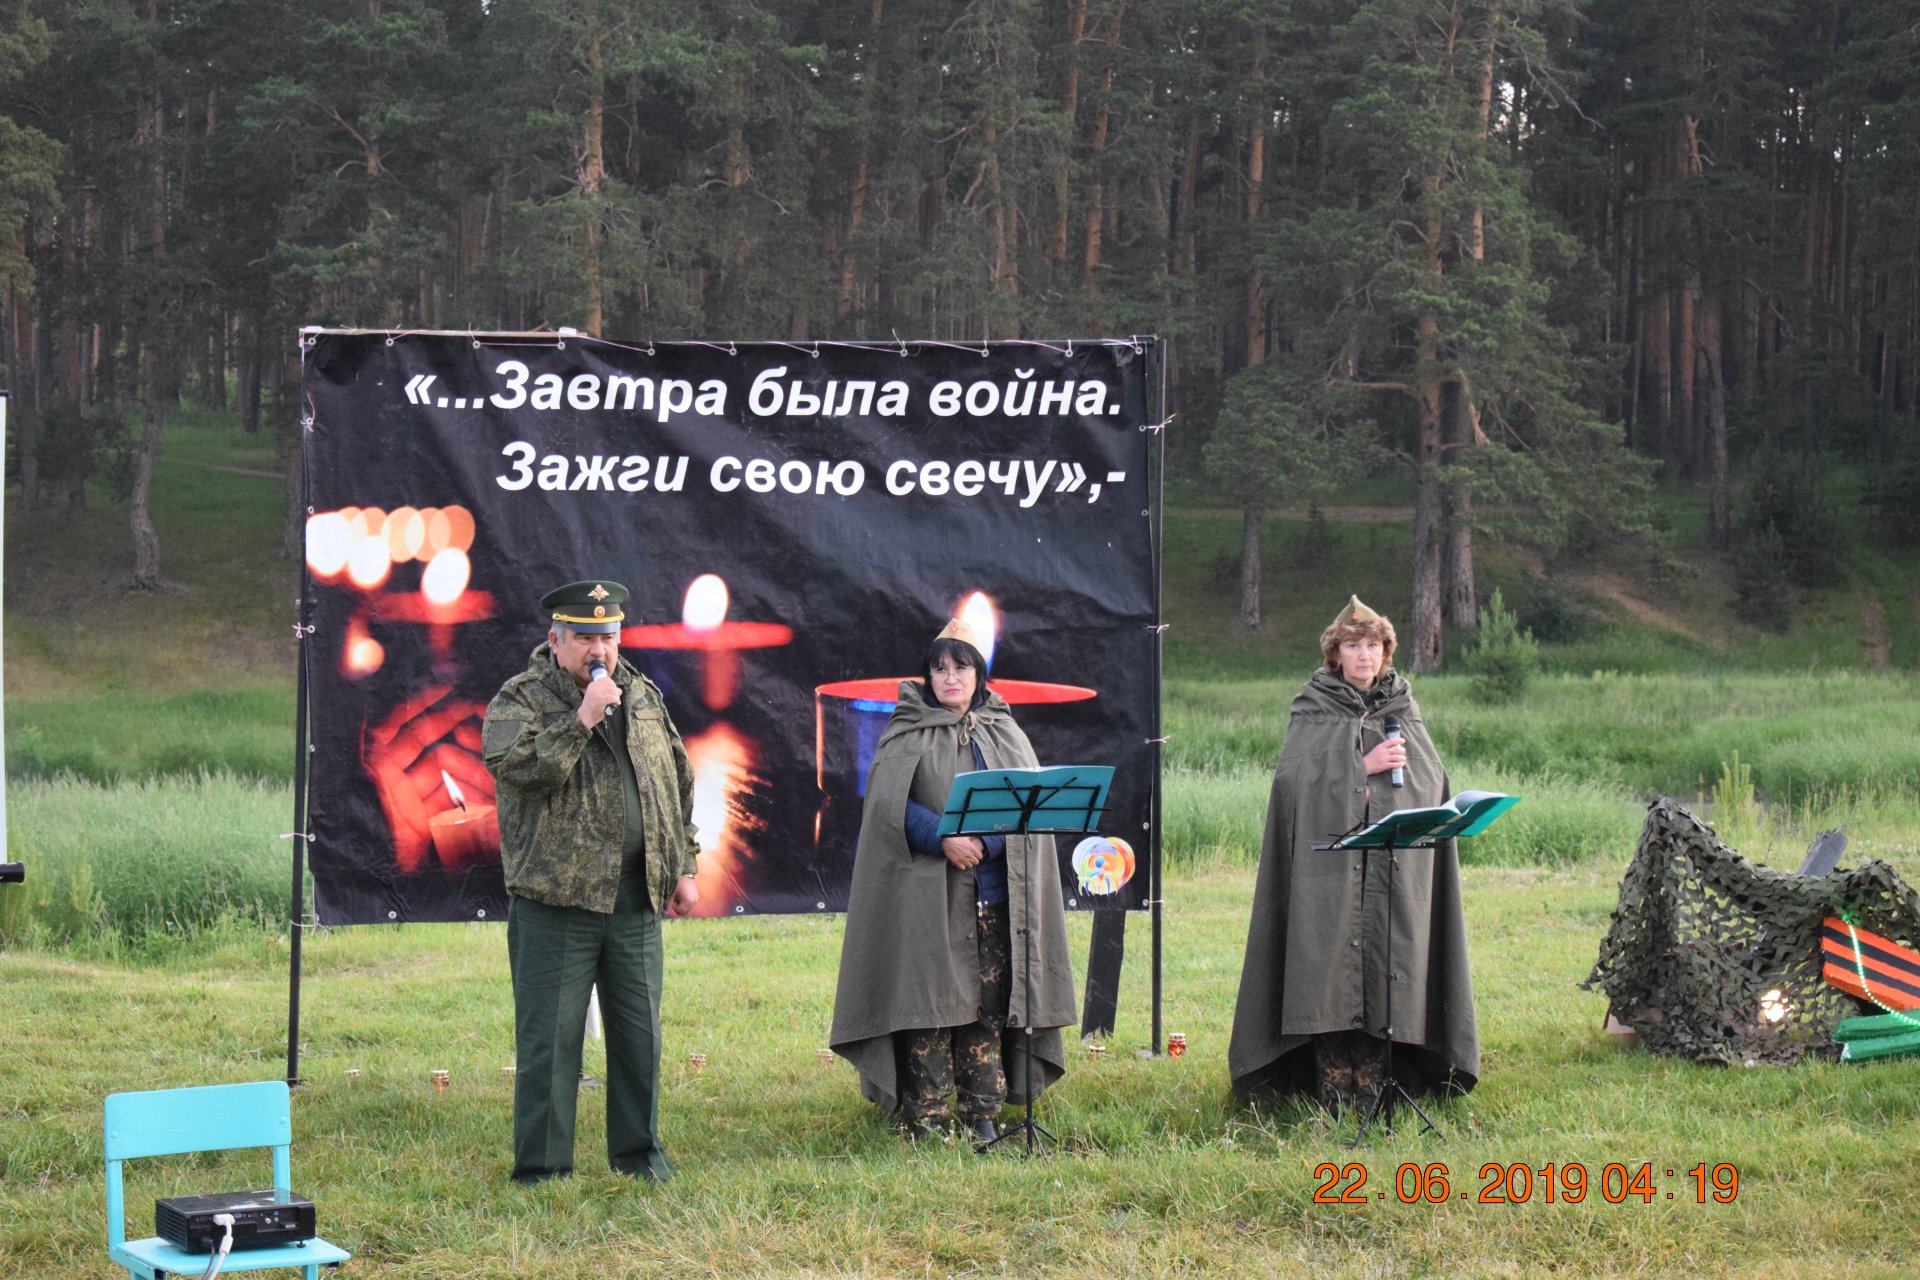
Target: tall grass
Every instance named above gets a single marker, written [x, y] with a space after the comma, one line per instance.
[130, 734]
[140, 866]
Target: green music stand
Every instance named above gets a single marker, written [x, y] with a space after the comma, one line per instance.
[1412, 829]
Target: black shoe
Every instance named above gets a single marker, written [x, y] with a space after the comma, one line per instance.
[532, 1177]
[918, 1131]
[983, 1134]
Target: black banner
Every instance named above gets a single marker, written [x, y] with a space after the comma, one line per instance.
[795, 524]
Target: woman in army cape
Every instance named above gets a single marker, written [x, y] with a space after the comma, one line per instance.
[932, 996]
[1312, 1009]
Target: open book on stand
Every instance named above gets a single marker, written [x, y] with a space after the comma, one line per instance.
[1464, 816]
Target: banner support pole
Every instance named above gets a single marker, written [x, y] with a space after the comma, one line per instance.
[1158, 458]
[302, 757]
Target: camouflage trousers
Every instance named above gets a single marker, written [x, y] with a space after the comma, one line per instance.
[1350, 1066]
[963, 1061]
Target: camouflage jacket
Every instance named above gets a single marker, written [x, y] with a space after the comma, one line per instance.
[562, 814]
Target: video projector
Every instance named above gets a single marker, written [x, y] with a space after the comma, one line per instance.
[260, 1218]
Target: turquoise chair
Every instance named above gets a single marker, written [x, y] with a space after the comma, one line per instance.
[221, 1117]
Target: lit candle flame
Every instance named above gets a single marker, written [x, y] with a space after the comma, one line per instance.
[364, 655]
[705, 606]
[1774, 1006]
[369, 562]
[977, 611]
[329, 543]
[445, 577]
[453, 789]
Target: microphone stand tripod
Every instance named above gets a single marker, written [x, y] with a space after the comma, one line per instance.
[1033, 1130]
[1384, 1094]
[1027, 803]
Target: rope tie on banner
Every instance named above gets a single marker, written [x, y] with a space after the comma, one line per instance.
[1154, 742]
[902, 341]
[306, 629]
[1157, 628]
[983, 351]
[1860, 969]
[1159, 426]
[296, 835]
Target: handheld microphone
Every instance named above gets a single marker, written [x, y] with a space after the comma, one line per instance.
[1393, 731]
[597, 669]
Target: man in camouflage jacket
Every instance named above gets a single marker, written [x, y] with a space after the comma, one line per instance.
[595, 796]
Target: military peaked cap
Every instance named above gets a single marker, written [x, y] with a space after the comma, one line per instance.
[592, 608]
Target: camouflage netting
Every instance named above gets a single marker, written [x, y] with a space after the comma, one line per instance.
[1701, 935]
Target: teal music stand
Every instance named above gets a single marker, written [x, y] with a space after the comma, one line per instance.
[1066, 799]
[1004, 802]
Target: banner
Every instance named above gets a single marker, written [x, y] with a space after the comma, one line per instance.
[795, 524]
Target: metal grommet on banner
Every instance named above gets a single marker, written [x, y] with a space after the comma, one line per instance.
[902, 341]
[649, 347]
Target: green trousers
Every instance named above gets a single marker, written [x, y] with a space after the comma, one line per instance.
[557, 955]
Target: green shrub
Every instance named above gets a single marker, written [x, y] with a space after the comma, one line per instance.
[1503, 659]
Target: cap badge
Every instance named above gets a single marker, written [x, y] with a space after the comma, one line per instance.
[598, 593]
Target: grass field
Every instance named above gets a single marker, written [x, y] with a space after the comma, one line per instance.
[149, 743]
[784, 1171]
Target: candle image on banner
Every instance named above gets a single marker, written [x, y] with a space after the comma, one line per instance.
[728, 783]
[464, 833]
[849, 716]
[408, 575]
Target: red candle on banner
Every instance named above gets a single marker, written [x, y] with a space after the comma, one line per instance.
[848, 716]
[704, 628]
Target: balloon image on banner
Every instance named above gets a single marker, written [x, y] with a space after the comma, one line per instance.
[1103, 864]
[794, 526]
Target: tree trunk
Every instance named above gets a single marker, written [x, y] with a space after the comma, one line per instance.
[1250, 519]
[1427, 650]
[250, 357]
[593, 167]
[1069, 111]
[25, 417]
[1462, 433]
[1714, 410]
[1255, 312]
[1102, 118]
[146, 540]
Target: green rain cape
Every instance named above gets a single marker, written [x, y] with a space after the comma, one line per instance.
[911, 955]
[1317, 948]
